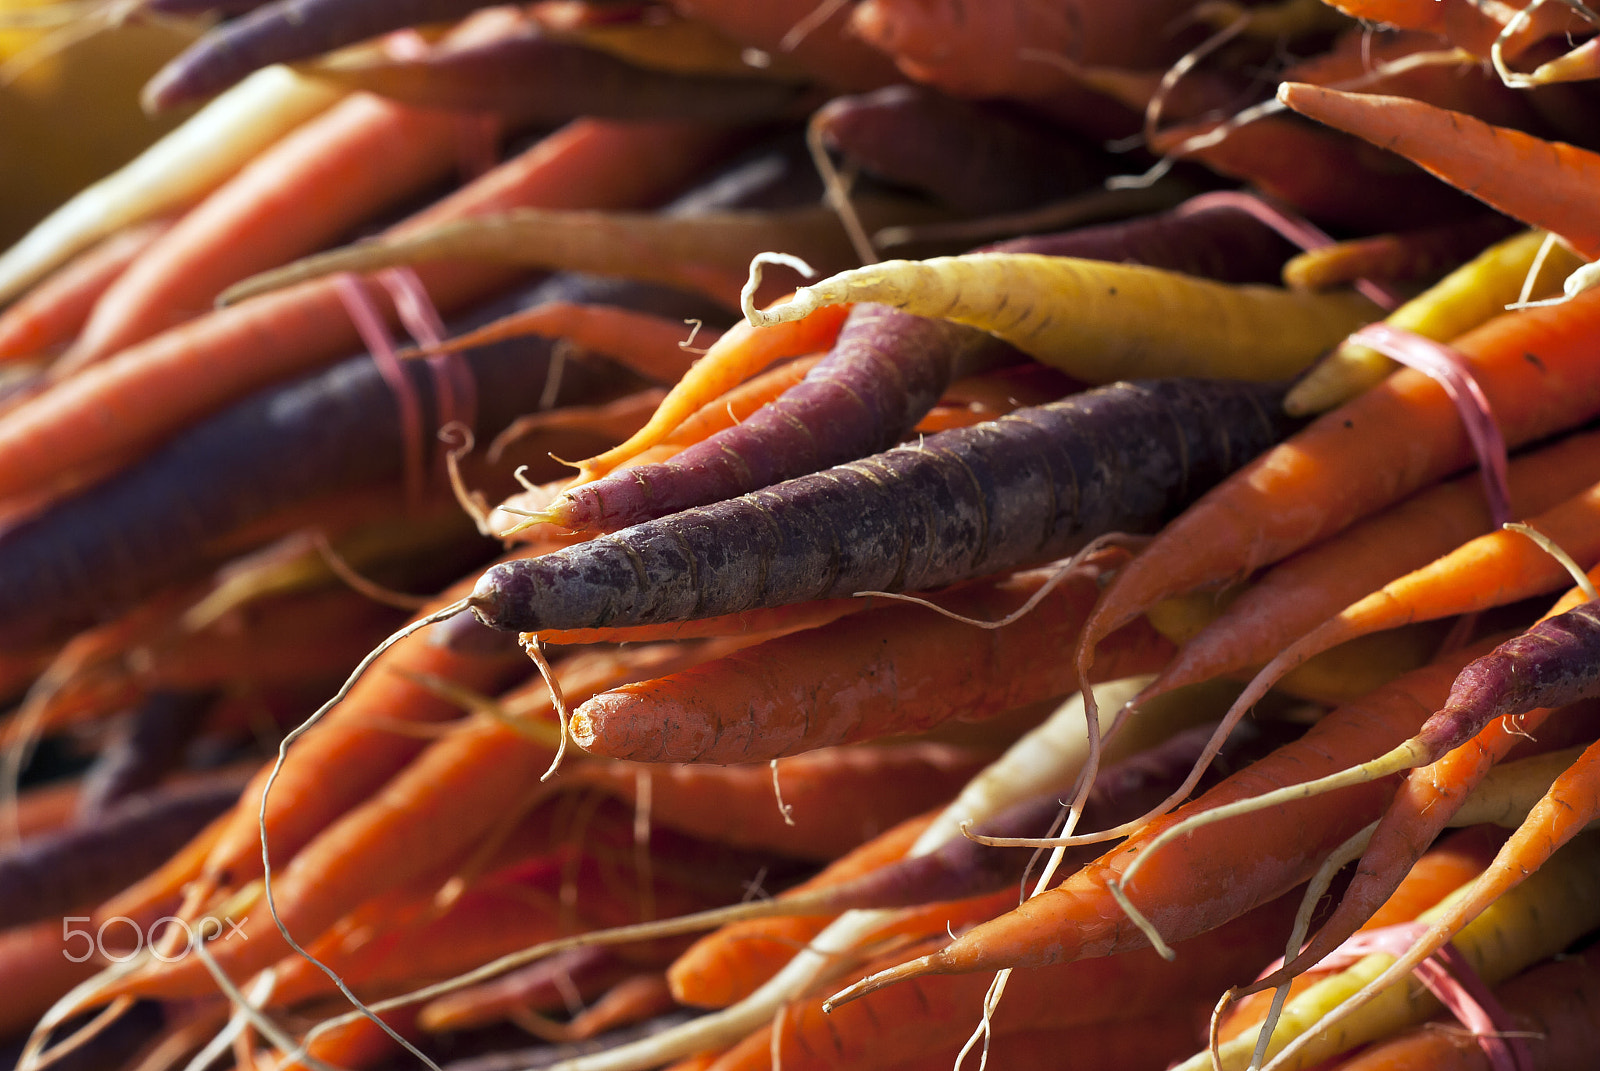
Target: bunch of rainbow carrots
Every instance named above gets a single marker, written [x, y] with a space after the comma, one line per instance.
[867, 534]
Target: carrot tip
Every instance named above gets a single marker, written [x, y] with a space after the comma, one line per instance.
[871, 983]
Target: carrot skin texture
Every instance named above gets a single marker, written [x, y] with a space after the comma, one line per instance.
[283, 31]
[805, 690]
[960, 504]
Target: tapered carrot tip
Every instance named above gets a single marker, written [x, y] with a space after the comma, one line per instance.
[915, 968]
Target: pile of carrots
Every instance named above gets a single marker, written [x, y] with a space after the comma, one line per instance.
[876, 534]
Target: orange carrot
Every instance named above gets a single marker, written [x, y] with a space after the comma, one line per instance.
[1008, 52]
[1536, 368]
[301, 193]
[1440, 871]
[34, 973]
[146, 391]
[1543, 183]
[1302, 592]
[451, 796]
[1466, 24]
[1196, 883]
[738, 354]
[646, 344]
[894, 670]
[832, 799]
[934, 1015]
[726, 966]
[53, 312]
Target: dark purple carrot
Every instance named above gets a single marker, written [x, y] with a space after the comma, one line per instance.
[530, 77]
[144, 747]
[981, 159]
[283, 31]
[84, 864]
[889, 367]
[1030, 487]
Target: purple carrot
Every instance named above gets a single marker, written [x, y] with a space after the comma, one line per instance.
[1220, 242]
[978, 158]
[1030, 487]
[84, 864]
[200, 7]
[530, 77]
[888, 368]
[1554, 663]
[284, 31]
[144, 748]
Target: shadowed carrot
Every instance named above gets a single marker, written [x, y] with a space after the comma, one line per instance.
[43, 440]
[1423, 254]
[817, 40]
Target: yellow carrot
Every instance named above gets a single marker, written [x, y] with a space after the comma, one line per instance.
[1556, 904]
[1468, 297]
[1101, 321]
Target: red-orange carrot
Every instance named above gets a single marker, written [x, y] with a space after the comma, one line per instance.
[53, 312]
[304, 191]
[144, 392]
[1543, 183]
